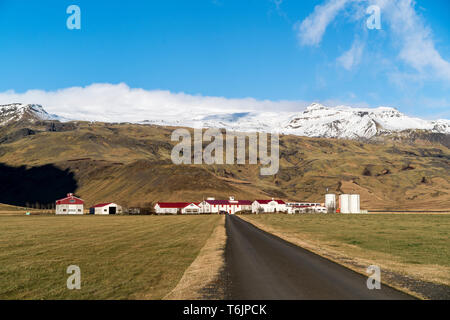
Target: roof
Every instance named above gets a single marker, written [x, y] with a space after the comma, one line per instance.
[218, 202]
[70, 199]
[229, 202]
[177, 205]
[102, 205]
[267, 201]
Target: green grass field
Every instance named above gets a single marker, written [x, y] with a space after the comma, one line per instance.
[411, 243]
[125, 257]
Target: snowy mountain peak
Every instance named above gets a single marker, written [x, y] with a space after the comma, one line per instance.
[354, 123]
[19, 111]
[315, 106]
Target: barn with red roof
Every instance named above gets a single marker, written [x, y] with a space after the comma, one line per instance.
[230, 206]
[70, 205]
[177, 208]
[260, 206]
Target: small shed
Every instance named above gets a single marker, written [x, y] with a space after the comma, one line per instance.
[106, 208]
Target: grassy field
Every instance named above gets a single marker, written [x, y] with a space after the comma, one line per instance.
[416, 245]
[6, 209]
[119, 257]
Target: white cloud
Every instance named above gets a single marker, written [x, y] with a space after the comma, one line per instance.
[120, 103]
[353, 56]
[409, 33]
[417, 47]
[311, 30]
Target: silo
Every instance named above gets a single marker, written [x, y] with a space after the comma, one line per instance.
[330, 202]
[355, 203]
[344, 203]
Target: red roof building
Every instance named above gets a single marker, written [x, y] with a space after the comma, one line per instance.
[70, 205]
[268, 206]
[177, 207]
[70, 199]
[267, 201]
[230, 206]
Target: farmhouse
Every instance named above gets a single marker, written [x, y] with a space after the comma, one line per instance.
[70, 205]
[106, 208]
[263, 206]
[230, 206]
[177, 207]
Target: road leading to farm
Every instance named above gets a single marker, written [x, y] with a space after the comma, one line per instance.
[260, 265]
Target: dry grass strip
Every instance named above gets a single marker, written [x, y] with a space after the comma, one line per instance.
[204, 270]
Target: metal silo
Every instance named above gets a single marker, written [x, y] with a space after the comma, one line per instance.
[344, 203]
[355, 203]
[330, 202]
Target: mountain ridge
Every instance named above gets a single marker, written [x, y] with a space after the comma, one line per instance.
[316, 120]
[29, 112]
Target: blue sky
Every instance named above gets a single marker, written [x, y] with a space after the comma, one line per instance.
[277, 50]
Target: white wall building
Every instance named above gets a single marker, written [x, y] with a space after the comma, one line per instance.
[265, 206]
[106, 208]
[230, 206]
[299, 207]
[191, 208]
[177, 207]
[70, 205]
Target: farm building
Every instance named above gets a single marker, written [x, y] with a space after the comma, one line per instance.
[230, 206]
[302, 208]
[260, 206]
[177, 207]
[70, 205]
[106, 208]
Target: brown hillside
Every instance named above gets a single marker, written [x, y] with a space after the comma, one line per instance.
[130, 164]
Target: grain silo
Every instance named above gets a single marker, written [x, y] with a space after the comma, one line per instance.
[330, 202]
[355, 203]
[344, 203]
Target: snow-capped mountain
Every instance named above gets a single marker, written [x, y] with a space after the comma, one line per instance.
[315, 121]
[319, 121]
[18, 111]
[353, 123]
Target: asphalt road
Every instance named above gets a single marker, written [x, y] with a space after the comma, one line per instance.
[262, 266]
